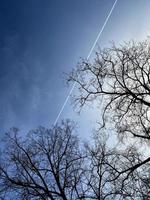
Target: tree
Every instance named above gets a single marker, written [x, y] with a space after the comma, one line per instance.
[108, 175]
[52, 164]
[120, 78]
[46, 165]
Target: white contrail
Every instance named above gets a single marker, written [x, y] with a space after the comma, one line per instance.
[89, 54]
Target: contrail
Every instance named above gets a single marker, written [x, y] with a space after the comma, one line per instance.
[89, 54]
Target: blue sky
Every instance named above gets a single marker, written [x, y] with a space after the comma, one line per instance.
[42, 39]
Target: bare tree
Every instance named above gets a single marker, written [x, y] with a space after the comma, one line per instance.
[46, 165]
[52, 164]
[120, 77]
[108, 173]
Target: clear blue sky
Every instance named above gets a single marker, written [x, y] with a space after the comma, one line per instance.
[41, 39]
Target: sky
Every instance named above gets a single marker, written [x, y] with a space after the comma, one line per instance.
[41, 40]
